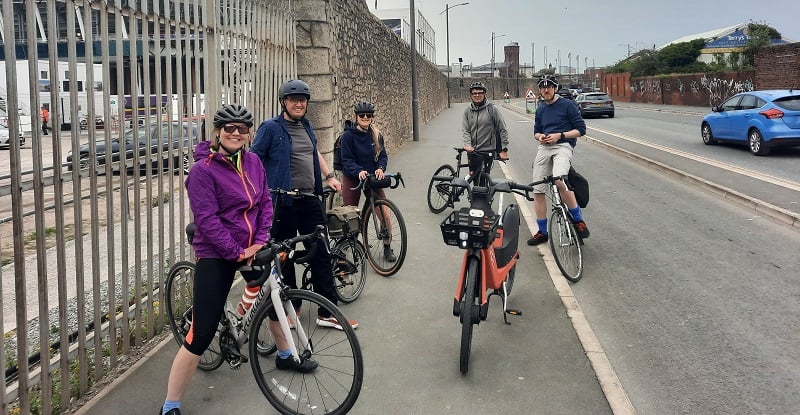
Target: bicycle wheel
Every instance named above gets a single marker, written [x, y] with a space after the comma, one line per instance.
[349, 268]
[390, 231]
[469, 311]
[333, 387]
[565, 245]
[178, 295]
[439, 191]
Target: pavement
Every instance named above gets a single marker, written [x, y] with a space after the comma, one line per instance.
[546, 362]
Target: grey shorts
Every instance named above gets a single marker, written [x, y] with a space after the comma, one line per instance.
[551, 159]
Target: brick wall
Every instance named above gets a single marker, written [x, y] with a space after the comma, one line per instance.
[778, 67]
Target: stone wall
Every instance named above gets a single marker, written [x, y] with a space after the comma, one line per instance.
[346, 55]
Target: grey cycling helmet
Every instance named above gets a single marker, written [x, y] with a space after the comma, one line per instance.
[546, 80]
[233, 113]
[294, 87]
[477, 85]
[364, 107]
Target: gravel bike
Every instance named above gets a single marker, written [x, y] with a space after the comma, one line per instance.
[565, 243]
[331, 388]
[440, 194]
[348, 256]
[490, 259]
[382, 226]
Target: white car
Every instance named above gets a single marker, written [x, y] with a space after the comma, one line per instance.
[5, 142]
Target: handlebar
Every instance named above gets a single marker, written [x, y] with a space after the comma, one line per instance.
[501, 185]
[292, 193]
[266, 255]
[395, 180]
[485, 154]
[552, 180]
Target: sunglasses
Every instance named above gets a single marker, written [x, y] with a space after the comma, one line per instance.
[366, 115]
[242, 129]
[477, 93]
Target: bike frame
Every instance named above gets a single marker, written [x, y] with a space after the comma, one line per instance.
[491, 275]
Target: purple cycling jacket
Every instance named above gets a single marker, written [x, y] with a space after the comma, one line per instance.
[232, 208]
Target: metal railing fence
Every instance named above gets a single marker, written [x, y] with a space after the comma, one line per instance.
[91, 219]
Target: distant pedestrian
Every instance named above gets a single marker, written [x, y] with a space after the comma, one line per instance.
[45, 118]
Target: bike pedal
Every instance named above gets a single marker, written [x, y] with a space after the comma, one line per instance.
[514, 312]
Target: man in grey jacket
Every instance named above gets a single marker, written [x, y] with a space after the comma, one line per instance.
[482, 127]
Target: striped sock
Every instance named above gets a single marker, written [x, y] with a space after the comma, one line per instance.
[248, 297]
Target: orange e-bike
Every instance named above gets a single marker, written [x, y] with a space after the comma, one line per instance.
[490, 242]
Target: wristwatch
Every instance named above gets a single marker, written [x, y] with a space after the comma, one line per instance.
[504, 150]
[563, 136]
[329, 176]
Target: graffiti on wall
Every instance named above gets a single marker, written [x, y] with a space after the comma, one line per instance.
[720, 89]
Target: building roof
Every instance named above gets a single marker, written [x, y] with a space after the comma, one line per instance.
[724, 38]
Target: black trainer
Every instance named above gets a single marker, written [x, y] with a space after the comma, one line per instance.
[305, 366]
[583, 231]
[388, 253]
[538, 239]
[173, 411]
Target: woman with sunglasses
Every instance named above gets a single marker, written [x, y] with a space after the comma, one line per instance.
[232, 208]
[363, 153]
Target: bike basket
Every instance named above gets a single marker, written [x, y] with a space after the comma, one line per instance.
[465, 230]
[343, 219]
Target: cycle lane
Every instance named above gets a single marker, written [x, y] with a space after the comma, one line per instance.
[408, 335]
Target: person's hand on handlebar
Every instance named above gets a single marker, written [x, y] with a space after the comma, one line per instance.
[334, 184]
[362, 175]
[469, 148]
[502, 156]
[250, 252]
[379, 173]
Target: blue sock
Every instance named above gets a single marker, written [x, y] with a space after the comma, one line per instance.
[284, 354]
[542, 223]
[576, 213]
[168, 405]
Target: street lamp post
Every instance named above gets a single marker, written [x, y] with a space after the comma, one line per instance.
[492, 66]
[446, 12]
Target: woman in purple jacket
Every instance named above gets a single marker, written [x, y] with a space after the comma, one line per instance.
[232, 208]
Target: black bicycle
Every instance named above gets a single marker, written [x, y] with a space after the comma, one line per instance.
[348, 256]
[440, 194]
[565, 243]
[382, 225]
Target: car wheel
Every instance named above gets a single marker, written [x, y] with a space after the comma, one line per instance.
[757, 144]
[610, 115]
[708, 136]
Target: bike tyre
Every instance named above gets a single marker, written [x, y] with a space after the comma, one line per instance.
[439, 197]
[565, 245]
[178, 296]
[333, 387]
[373, 241]
[468, 310]
[352, 251]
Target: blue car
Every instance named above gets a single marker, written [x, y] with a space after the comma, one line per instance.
[762, 119]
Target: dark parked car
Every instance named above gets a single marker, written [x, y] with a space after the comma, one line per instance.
[162, 135]
[565, 93]
[595, 103]
[761, 119]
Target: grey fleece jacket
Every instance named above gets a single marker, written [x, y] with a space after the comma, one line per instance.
[480, 131]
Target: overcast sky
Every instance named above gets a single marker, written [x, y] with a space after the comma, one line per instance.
[600, 30]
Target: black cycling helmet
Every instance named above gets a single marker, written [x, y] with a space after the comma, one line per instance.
[233, 113]
[477, 85]
[294, 87]
[548, 80]
[364, 107]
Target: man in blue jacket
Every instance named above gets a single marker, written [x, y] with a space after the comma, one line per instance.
[557, 125]
[287, 146]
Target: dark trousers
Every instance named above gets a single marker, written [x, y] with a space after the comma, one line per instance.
[45, 128]
[303, 216]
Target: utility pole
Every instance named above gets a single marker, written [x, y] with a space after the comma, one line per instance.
[533, 61]
[414, 91]
[446, 12]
